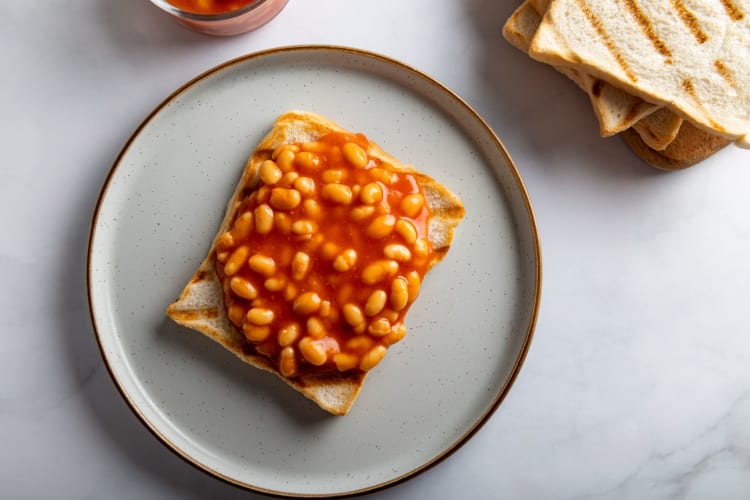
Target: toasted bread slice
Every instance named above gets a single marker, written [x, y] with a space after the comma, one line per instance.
[691, 145]
[201, 305]
[693, 58]
[615, 109]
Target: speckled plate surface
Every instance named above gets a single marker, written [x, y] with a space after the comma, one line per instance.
[468, 332]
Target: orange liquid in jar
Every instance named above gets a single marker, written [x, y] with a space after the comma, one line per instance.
[210, 6]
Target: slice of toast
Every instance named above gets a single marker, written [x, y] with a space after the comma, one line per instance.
[615, 110]
[693, 58]
[201, 306]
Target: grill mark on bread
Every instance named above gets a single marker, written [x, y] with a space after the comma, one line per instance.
[611, 46]
[734, 13]
[690, 21]
[689, 88]
[687, 85]
[724, 72]
[648, 29]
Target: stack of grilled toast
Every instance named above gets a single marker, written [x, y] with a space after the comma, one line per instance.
[671, 77]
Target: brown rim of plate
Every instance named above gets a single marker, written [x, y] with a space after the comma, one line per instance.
[520, 358]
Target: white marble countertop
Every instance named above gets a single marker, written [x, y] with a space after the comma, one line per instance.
[637, 384]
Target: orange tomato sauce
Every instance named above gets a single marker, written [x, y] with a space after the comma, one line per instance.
[336, 230]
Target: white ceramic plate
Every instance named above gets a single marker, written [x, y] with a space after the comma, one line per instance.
[468, 332]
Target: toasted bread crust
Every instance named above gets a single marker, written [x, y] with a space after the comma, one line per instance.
[201, 304]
